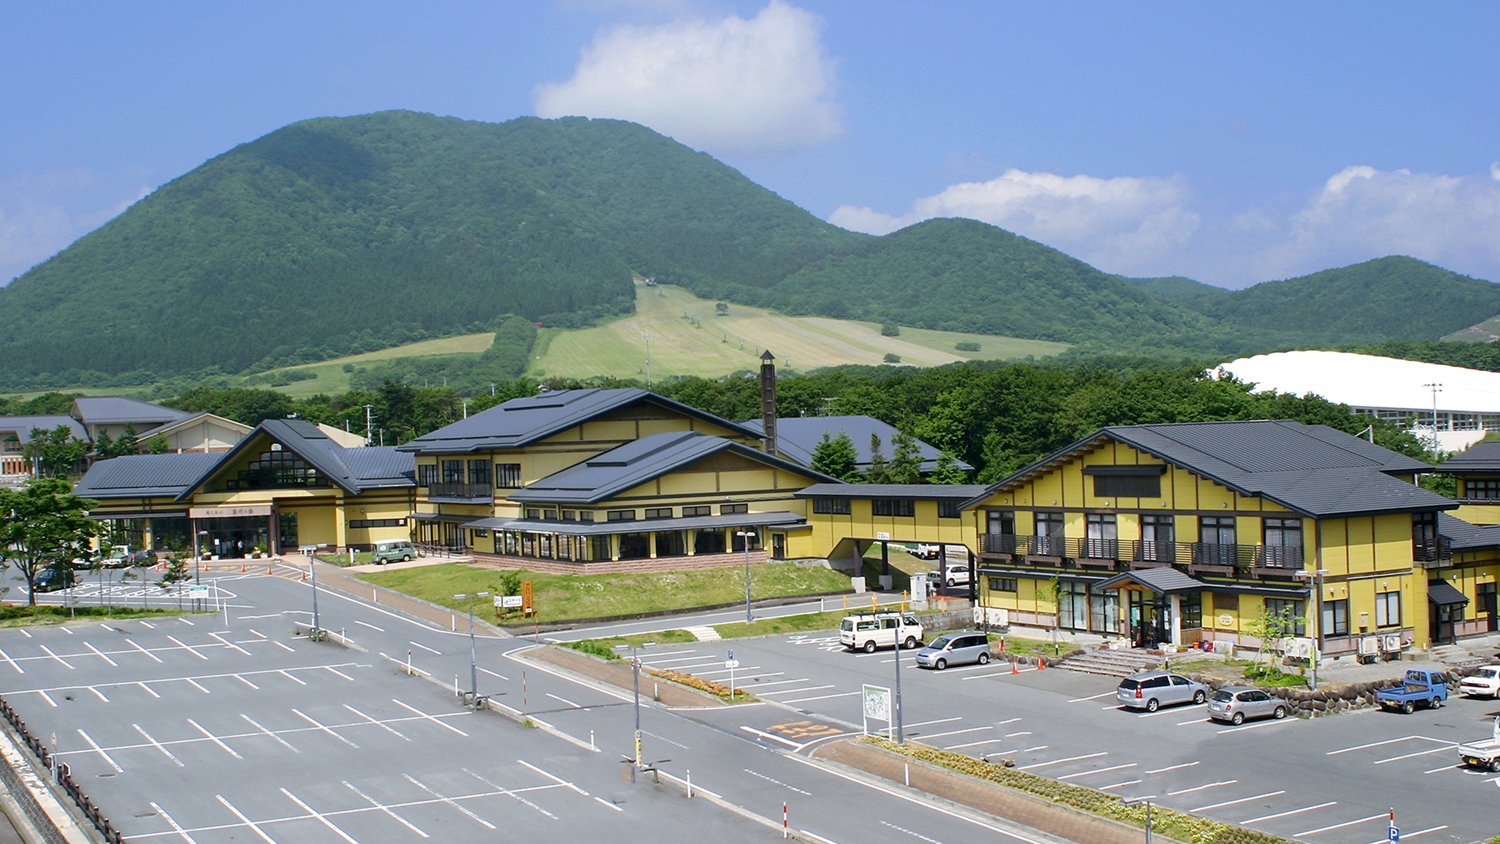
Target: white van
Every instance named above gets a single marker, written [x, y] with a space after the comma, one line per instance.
[868, 631]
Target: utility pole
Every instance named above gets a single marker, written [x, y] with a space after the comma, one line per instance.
[369, 422]
[1436, 388]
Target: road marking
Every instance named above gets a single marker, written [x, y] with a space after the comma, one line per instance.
[215, 739]
[564, 700]
[26, 633]
[244, 820]
[1068, 759]
[609, 804]
[819, 697]
[98, 694]
[1194, 721]
[229, 643]
[759, 685]
[381, 630]
[149, 690]
[1093, 697]
[974, 744]
[68, 631]
[955, 732]
[101, 655]
[1034, 749]
[493, 674]
[450, 802]
[56, 657]
[175, 828]
[47, 698]
[156, 744]
[425, 648]
[379, 724]
[338, 672]
[1197, 787]
[1292, 812]
[246, 682]
[1444, 768]
[1383, 816]
[299, 681]
[1023, 733]
[131, 642]
[1376, 744]
[416, 711]
[508, 793]
[1096, 771]
[1119, 785]
[304, 716]
[257, 632]
[788, 743]
[185, 647]
[283, 742]
[936, 721]
[775, 781]
[188, 623]
[19, 669]
[198, 686]
[99, 750]
[1254, 727]
[1419, 832]
[403, 821]
[1005, 673]
[284, 646]
[324, 821]
[1006, 721]
[1233, 802]
[1418, 753]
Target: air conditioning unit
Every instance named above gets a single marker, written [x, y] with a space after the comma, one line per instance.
[1369, 646]
[978, 616]
[1391, 643]
[997, 616]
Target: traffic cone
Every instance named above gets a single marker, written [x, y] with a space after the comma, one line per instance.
[1041, 663]
[268, 569]
[242, 568]
[1014, 668]
[304, 576]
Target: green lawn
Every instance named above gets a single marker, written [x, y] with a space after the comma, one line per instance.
[24, 616]
[569, 596]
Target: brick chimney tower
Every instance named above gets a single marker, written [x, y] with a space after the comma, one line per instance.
[768, 400]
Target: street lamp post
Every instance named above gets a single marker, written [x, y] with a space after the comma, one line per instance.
[900, 716]
[1147, 801]
[197, 559]
[1317, 612]
[635, 664]
[310, 552]
[473, 656]
[745, 537]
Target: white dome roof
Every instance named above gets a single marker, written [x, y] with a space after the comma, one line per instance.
[1367, 381]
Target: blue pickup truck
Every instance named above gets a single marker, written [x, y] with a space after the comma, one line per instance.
[1429, 688]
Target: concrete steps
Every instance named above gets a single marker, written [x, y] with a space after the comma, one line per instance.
[1455, 656]
[1112, 663]
[704, 634]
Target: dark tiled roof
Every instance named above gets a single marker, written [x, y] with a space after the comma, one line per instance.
[518, 422]
[1465, 536]
[798, 436]
[1313, 470]
[21, 426]
[145, 475]
[118, 410]
[354, 470]
[634, 463]
[961, 492]
[1442, 593]
[778, 519]
[1481, 458]
[1163, 580]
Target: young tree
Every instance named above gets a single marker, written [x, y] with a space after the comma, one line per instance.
[906, 460]
[43, 524]
[877, 473]
[128, 443]
[947, 471]
[158, 445]
[1270, 628]
[836, 456]
[104, 446]
[176, 572]
[56, 452]
[1050, 591]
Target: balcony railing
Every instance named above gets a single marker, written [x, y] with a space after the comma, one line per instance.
[1194, 557]
[467, 492]
[1432, 553]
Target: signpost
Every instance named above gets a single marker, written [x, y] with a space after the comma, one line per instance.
[731, 664]
[876, 702]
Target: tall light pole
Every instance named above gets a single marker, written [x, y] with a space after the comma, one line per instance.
[1317, 613]
[473, 656]
[1436, 388]
[900, 717]
[745, 537]
[1147, 801]
[197, 558]
[635, 665]
[310, 552]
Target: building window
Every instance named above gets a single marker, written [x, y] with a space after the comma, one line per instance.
[507, 476]
[586, 516]
[275, 469]
[374, 523]
[479, 472]
[1002, 584]
[708, 542]
[659, 513]
[697, 510]
[949, 510]
[1335, 618]
[1049, 535]
[533, 513]
[1488, 488]
[599, 548]
[1103, 537]
[832, 506]
[1290, 610]
[1283, 543]
[738, 540]
[1226, 602]
[893, 507]
[426, 474]
[570, 515]
[453, 471]
[1192, 611]
[619, 515]
[1387, 609]
[635, 546]
[731, 509]
[1156, 538]
[1128, 486]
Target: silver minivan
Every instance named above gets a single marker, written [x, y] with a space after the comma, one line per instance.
[1236, 703]
[955, 649]
[1149, 690]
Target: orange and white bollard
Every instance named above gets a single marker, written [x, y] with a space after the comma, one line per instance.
[784, 829]
[1014, 668]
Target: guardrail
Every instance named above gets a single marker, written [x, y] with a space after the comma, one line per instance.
[64, 777]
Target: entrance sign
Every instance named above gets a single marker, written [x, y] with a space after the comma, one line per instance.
[229, 512]
[877, 706]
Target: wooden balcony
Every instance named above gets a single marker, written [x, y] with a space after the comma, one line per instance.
[1238, 561]
[460, 492]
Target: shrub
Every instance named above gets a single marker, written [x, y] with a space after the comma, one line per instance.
[890, 329]
[967, 346]
[892, 357]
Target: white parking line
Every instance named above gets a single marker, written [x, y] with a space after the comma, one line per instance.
[381, 630]
[934, 721]
[1093, 697]
[173, 824]
[326, 822]
[493, 674]
[283, 742]
[244, 820]
[955, 732]
[975, 744]
[101, 655]
[425, 648]
[1096, 771]
[1005, 673]
[563, 700]
[131, 642]
[1034, 749]
[150, 691]
[450, 802]
[246, 682]
[156, 744]
[1419, 832]
[304, 716]
[1418, 753]
[1289, 813]
[46, 697]
[284, 646]
[56, 657]
[1380, 817]
[99, 750]
[1006, 721]
[1203, 787]
[19, 669]
[188, 623]
[299, 681]
[383, 726]
[434, 720]
[1068, 759]
[1376, 744]
[1444, 768]
[1013, 735]
[257, 633]
[819, 697]
[759, 686]
[1253, 727]
[179, 643]
[508, 793]
[761, 693]
[195, 684]
[98, 694]
[215, 739]
[229, 643]
[338, 672]
[397, 818]
[1234, 802]
[1119, 785]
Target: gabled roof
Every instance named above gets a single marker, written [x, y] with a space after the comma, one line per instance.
[1464, 536]
[1481, 458]
[522, 421]
[798, 436]
[634, 463]
[1312, 470]
[354, 470]
[118, 410]
[1163, 580]
[958, 492]
[195, 418]
[145, 475]
[22, 426]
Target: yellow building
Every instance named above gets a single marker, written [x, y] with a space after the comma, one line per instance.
[1187, 532]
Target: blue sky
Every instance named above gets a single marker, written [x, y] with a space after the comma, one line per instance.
[1231, 143]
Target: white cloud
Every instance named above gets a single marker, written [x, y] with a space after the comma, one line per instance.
[41, 213]
[762, 85]
[1119, 222]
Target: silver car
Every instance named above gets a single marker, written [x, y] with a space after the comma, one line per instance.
[955, 649]
[1150, 690]
[1236, 703]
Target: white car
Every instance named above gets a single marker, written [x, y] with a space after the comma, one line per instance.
[1484, 682]
[956, 575]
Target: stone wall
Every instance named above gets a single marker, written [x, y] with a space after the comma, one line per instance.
[1326, 701]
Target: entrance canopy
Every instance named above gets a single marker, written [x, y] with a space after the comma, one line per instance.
[1162, 581]
[1443, 594]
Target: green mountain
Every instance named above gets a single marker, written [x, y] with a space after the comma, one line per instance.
[343, 235]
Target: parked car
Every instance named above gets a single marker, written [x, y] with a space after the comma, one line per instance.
[122, 557]
[925, 551]
[1484, 682]
[1150, 690]
[955, 649]
[1236, 703]
[393, 551]
[868, 631]
[1484, 753]
[957, 575]
[54, 577]
[1429, 688]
